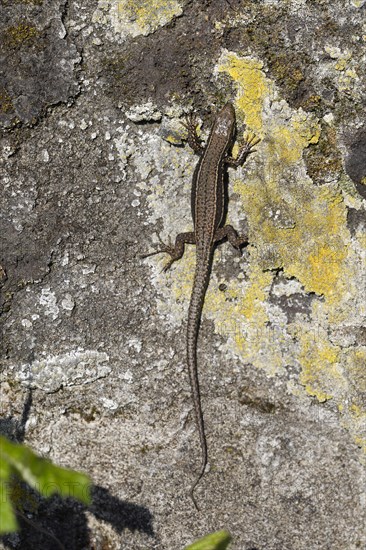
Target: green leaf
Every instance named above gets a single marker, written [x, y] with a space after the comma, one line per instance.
[40, 474]
[216, 541]
[8, 522]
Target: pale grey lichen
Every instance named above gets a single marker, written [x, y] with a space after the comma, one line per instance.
[69, 369]
[136, 17]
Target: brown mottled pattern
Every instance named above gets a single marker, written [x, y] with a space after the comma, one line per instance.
[208, 212]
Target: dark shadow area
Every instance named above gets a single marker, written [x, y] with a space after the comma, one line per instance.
[20, 425]
[14, 429]
[119, 513]
[62, 523]
[53, 523]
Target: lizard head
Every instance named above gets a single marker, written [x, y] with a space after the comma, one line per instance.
[224, 125]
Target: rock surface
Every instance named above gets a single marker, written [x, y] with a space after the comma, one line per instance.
[93, 349]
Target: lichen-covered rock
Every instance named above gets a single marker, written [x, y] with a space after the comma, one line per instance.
[37, 60]
[93, 362]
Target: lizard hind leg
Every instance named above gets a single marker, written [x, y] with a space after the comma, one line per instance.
[164, 248]
[175, 252]
[228, 232]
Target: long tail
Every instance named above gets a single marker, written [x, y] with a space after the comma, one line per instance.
[201, 280]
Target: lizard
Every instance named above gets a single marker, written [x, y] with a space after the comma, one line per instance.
[208, 205]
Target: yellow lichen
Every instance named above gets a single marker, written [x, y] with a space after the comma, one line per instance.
[296, 226]
[321, 367]
[151, 12]
[253, 88]
[301, 228]
[345, 67]
[136, 17]
[306, 127]
[313, 247]
[252, 303]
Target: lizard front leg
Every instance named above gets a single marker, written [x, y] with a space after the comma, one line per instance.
[229, 233]
[245, 150]
[190, 124]
[176, 251]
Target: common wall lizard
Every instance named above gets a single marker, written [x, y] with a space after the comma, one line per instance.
[208, 204]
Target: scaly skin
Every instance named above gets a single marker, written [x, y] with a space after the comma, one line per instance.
[208, 211]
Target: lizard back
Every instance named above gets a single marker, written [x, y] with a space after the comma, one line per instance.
[208, 207]
[208, 193]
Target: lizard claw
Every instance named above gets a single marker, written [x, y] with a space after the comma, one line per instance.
[250, 142]
[164, 248]
[167, 266]
[190, 122]
[143, 256]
